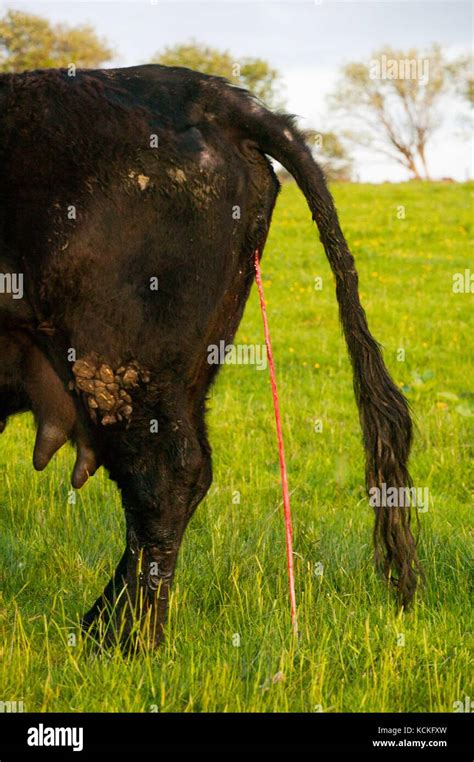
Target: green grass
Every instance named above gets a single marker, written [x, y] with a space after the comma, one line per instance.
[56, 556]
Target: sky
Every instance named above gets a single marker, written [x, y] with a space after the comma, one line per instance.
[308, 42]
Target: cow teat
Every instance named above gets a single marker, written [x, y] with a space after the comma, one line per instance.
[86, 465]
[54, 410]
[50, 437]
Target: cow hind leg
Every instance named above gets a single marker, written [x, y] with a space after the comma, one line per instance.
[161, 485]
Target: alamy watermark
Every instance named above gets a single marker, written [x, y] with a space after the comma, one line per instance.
[237, 354]
[52, 736]
[9, 707]
[12, 283]
[463, 283]
[400, 68]
[463, 705]
[399, 497]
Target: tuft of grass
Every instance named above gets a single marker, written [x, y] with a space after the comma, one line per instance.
[229, 644]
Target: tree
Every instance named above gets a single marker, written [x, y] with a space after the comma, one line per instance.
[462, 73]
[255, 74]
[31, 42]
[392, 103]
[330, 154]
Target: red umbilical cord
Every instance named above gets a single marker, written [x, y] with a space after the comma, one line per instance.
[281, 449]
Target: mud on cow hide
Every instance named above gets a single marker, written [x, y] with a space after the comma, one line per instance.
[108, 393]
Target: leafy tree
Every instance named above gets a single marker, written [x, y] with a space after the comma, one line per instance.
[393, 103]
[331, 155]
[31, 42]
[255, 74]
[462, 73]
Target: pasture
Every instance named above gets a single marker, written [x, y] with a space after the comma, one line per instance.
[229, 644]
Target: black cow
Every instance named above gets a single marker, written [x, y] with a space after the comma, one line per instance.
[132, 202]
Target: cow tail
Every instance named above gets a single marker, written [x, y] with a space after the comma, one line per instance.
[383, 410]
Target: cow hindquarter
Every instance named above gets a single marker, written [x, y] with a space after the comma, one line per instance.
[136, 260]
[200, 266]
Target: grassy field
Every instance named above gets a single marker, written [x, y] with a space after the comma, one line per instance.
[229, 646]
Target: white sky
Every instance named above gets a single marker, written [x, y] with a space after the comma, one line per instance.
[306, 41]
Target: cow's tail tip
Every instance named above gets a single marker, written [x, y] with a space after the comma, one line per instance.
[387, 431]
[395, 554]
